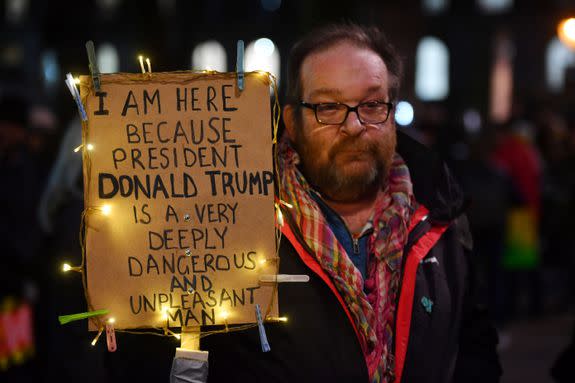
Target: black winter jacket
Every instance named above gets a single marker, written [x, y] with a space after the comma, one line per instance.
[444, 337]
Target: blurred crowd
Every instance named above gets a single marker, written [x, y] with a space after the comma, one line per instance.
[519, 176]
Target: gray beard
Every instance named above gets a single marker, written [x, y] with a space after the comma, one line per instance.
[330, 183]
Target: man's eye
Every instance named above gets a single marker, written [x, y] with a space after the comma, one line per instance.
[372, 105]
[328, 107]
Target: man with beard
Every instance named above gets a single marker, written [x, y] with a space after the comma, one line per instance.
[376, 221]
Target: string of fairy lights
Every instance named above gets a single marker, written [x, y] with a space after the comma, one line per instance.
[106, 210]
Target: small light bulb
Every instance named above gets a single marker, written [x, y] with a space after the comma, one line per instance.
[165, 314]
[112, 320]
[177, 336]
[90, 147]
[106, 209]
[149, 65]
[66, 267]
[95, 340]
[76, 80]
[77, 149]
[263, 261]
[283, 319]
[224, 314]
[141, 59]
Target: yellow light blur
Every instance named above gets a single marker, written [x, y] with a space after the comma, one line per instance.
[90, 147]
[177, 336]
[112, 320]
[224, 315]
[277, 319]
[66, 267]
[149, 65]
[106, 209]
[262, 261]
[141, 59]
[95, 340]
[566, 32]
[76, 80]
[77, 149]
[165, 314]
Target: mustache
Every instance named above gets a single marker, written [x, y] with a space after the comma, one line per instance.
[356, 144]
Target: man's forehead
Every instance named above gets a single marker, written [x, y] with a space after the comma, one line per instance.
[343, 69]
[324, 91]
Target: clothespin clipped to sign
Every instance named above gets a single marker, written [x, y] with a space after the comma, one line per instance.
[111, 336]
[93, 65]
[74, 317]
[282, 278]
[76, 95]
[240, 65]
[263, 338]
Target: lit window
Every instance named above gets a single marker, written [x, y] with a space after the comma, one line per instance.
[494, 6]
[432, 70]
[472, 121]
[403, 113]
[16, 10]
[558, 59]
[50, 68]
[435, 6]
[107, 58]
[209, 55]
[262, 54]
[501, 86]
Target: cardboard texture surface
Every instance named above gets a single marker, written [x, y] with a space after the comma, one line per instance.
[184, 164]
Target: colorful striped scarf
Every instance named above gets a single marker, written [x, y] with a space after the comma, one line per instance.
[373, 312]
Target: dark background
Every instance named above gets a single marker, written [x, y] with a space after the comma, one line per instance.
[532, 305]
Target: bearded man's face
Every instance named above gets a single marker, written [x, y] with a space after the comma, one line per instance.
[344, 162]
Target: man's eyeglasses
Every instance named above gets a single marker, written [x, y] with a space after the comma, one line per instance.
[335, 113]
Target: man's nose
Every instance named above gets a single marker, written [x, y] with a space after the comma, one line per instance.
[352, 126]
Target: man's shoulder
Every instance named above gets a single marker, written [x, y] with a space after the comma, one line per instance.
[433, 182]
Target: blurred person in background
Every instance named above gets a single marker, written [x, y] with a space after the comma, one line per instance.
[516, 155]
[491, 195]
[557, 144]
[20, 239]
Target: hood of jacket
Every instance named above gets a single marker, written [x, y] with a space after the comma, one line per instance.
[433, 183]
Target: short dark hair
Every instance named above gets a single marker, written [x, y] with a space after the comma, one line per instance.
[327, 36]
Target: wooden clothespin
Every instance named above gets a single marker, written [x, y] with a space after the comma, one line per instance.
[263, 338]
[240, 65]
[93, 65]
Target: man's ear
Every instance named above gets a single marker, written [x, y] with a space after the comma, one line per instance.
[289, 121]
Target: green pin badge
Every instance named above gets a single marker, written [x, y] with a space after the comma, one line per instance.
[427, 304]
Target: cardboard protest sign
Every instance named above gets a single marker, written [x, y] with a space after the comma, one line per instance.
[179, 191]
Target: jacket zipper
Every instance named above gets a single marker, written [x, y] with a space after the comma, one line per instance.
[355, 245]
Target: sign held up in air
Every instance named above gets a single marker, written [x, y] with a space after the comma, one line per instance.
[179, 188]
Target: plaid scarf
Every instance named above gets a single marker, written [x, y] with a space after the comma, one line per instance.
[373, 312]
